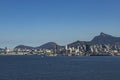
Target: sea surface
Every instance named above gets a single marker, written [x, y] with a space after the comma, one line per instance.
[59, 68]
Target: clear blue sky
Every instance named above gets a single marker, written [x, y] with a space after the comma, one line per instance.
[35, 22]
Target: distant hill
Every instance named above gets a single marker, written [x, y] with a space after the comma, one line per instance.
[50, 45]
[77, 43]
[23, 47]
[1, 49]
[100, 39]
[105, 39]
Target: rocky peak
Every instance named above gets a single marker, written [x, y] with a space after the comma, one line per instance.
[104, 35]
[105, 39]
[49, 45]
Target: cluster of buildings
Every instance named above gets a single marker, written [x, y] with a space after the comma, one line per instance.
[69, 50]
[101, 45]
[93, 49]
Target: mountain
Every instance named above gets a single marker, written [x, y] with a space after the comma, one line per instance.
[100, 39]
[106, 39]
[77, 43]
[1, 49]
[50, 45]
[23, 47]
[81, 44]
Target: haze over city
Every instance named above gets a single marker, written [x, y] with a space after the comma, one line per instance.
[35, 22]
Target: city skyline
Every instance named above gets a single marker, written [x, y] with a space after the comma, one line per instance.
[35, 22]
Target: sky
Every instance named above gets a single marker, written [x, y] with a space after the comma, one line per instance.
[35, 22]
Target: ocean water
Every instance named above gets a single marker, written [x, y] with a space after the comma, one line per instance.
[59, 68]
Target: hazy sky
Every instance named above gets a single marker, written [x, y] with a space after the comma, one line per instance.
[35, 22]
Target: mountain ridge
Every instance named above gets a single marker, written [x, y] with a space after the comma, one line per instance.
[103, 38]
[49, 45]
